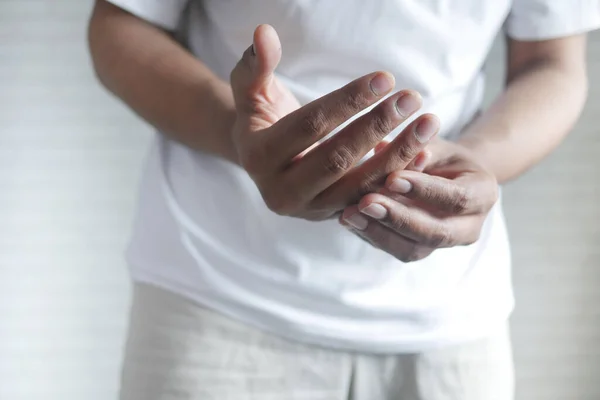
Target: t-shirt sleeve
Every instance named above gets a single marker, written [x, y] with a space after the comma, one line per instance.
[163, 13]
[550, 19]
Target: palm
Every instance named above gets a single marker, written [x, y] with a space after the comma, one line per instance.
[272, 103]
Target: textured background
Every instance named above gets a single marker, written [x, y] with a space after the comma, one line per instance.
[70, 159]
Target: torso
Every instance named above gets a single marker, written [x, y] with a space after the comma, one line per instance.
[316, 281]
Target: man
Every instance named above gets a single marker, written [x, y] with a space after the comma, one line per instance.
[273, 259]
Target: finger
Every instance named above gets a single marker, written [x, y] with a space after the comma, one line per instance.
[417, 224]
[401, 199]
[302, 128]
[327, 163]
[370, 175]
[420, 161]
[382, 237]
[254, 73]
[468, 194]
[380, 146]
[404, 148]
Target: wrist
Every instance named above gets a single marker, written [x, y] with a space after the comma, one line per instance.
[441, 149]
[228, 117]
[476, 146]
[224, 121]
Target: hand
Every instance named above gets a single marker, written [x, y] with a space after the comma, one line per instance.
[272, 134]
[419, 212]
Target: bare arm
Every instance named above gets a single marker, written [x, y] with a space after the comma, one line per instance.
[161, 81]
[545, 93]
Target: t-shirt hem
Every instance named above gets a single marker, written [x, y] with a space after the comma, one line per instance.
[320, 337]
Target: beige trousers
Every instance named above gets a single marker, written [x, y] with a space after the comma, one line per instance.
[178, 350]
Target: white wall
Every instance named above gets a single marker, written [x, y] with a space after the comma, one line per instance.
[70, 157]
[557, 273]
[69, 162]
[554, 220]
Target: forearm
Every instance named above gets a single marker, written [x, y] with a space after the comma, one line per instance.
[161, 81]
[536, 111]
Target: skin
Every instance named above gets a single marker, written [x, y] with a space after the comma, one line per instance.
[255, 122]
[446, 204]
[272, 133]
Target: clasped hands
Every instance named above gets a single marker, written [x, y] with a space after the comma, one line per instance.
[416, 194]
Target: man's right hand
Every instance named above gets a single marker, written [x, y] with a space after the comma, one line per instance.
[272, 134]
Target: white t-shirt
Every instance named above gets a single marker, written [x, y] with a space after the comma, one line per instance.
[202, 229]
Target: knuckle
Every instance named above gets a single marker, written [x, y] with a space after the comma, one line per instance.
[339, 160]
[427, 190]
[354, 100]
[367, 184]
[381, 123]
[405, 153]
[365, 187]
[463, 200]
[314, 123]
[399, 221]
[441, 238]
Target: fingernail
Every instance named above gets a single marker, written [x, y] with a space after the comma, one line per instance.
[400, 185]
[407, 104]
[376, 211]
[381, 84]
[357, 221]
[420, 162]
[426, 129]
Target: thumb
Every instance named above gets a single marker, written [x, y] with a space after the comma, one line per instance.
[266, 49]
[253, 76]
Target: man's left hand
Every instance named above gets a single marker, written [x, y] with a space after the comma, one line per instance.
[416, 212]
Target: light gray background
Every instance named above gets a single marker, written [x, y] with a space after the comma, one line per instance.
[70, 159]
